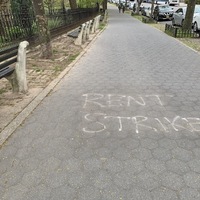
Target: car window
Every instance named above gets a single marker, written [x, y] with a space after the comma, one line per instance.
[197, 9]
[179, 10]
[165, 8]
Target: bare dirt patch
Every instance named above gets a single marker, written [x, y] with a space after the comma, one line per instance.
[40, 73]
[193, 43]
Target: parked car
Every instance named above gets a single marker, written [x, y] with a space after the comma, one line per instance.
[146, 11]
[179, 15]
[131, 4]
[161, 2]
[174, 2]
[163, 12]
[196, 22]
[147, 1]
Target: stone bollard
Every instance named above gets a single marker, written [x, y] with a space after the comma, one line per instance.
[78, 41]
[97, 22]
[93, 26]
[105, 16]
[20, 68]
[84, 32]
[88, 30]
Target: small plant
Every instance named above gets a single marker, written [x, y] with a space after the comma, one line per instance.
[73, 57]
[102, 25]
[34, 65]
[2, 90]
[14, 32]
[37, 70]
[3, 40]
[55, 51]
[54, 23]
[57, 68]
[139, 17]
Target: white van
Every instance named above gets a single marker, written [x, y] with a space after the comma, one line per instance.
[174, 2]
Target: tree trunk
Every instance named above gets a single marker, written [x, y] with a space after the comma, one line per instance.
[187, 24]
[73, 4]
[138, 6]
[152, 8]
[4, 4]
[104, 5]
[44, 34]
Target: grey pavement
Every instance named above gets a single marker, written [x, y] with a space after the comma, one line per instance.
[124, 124]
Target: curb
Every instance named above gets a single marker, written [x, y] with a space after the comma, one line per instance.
[18, 120]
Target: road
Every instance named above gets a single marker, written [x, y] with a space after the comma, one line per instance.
[173, 7]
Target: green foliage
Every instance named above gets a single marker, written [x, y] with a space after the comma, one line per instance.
[102, 26]
[72, 57]
[88, 3]
[139, 17]
[54, 23]
[2, 90]
[12, 32]
[55, 4]
[15, 31]
[22, 13]
[197, 1]
[16, 5]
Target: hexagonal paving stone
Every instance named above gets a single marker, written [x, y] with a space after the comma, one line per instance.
[164, 194]
[172, 181]
[192, 180]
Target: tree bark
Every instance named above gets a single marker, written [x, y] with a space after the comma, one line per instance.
[49, 4]
[152, 8]
[104, 4]
[187, 24]
[73, 4]
[4, 4]
[44, 34]
[138, 6]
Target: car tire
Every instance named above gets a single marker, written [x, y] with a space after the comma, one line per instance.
[195, 27]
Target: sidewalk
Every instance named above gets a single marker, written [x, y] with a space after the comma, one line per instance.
[124, 123]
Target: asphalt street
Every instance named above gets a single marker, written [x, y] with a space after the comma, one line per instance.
[124, 124]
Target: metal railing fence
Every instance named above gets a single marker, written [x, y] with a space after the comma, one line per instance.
[177, 32]
[16, 27]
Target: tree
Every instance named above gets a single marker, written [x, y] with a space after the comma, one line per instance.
[49, 4]
[44, 34]
[152, 8]
[187, 24]
[104, 4]
[138, 6]
[4, 4]
[73, 4]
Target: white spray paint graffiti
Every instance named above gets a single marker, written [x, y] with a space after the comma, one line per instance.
[99, 121]
[110, 100]
[176, 124]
